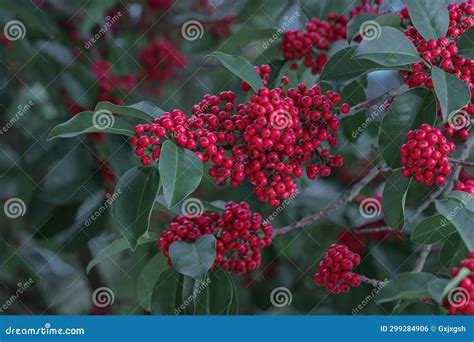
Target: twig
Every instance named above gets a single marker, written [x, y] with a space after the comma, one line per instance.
[356, 189]
[373, 282]
[374, 230]
[461, 162]
[377, 100]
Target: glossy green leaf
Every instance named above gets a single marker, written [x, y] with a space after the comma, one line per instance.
[142, 110]
[353, 126]
[181, 172]
[246, 35]
[461, 218]
[462, 197]
[194, 259]
[390, 48]
[453, 251]
[132, 209]
[223, 293]
[166, 296]
[452, 92]
[430, 17]
[118, 246]
[393, 199]
[148, 278]
[240, 67]
[356, 24]
[91, 122]
[408, 111]
[432, 229]
[406, 286]
[465, 44]
[436, 289]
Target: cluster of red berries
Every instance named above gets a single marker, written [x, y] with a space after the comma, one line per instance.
[443, 53]
[335, 270]
[240, 234]
[467, 186]
[460, 300]
[313, 43]
[270, 138]
[356, 239]
[160, 59]
[424, 155]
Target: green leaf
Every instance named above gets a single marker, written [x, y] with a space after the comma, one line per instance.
[166, 296]
[460, 218]
[91, 122]
[194, 259]
[462, 197]
[465, 44]
[408, 285]
[353, 126]
[453, 251]
[246, 35]
[223, 300]
[240, 67]
[118, 246]
[133, 208]
[393, 199]
[432, 229]
[202, 299]
[148, 278]
[354, 25]
[181, 172]
[345, 66]
[429, 17]
[453, 94]
[407, 112]
[142, 110]
[390, 48]
[463, 273]
[436, 289]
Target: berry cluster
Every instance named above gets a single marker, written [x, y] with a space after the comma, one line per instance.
[240, 234]
[467, 186]
[335, 270]
[424, 155]
[443, 53]
[460, 300]
[268, 140]
[160, 59]
[313, 43]
[356, 239]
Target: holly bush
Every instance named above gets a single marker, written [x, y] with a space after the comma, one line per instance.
[237, 157]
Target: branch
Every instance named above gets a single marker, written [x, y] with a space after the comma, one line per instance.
[375, 230]
[377, 100]
[373, 282]
[356, 189]
[461, 162]
[448, 186]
